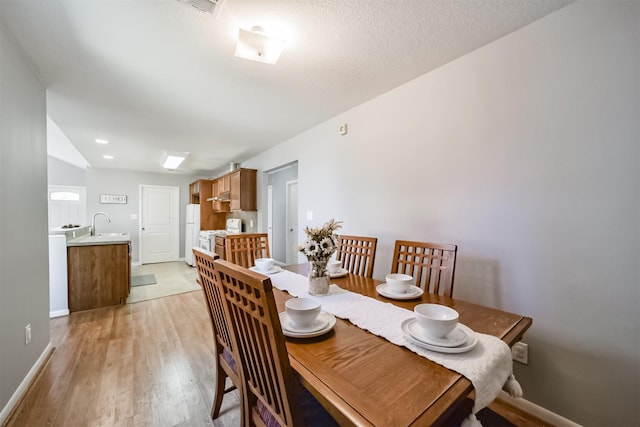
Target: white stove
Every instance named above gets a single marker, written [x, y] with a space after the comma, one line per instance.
[208, 237]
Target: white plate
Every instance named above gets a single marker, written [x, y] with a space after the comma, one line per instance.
[413, 292]
[330, 323]
[455, 338]
[340, 273]
[472, 340]
[289, 325]
[273, 270]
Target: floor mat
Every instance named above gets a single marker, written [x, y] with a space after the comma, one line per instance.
[145, 279]
[173, 277]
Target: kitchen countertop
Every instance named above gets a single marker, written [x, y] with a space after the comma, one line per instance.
[100, 239]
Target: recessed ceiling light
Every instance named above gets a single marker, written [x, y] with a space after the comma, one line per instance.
[172, 161]
[102, 141]
[108, 157]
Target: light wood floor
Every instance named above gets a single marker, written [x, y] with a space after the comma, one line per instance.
[144, 364]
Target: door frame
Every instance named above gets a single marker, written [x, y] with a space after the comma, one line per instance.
[270, 217]
[176, 213]
[277, 182]
[287, 185]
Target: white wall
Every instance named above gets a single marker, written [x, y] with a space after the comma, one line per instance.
[525, 154]
[122, 182]
[24, 260]
[63, 173]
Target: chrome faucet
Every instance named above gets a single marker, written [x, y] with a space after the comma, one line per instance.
[93, 221]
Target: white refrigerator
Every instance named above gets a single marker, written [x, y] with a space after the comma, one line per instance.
[192, 233]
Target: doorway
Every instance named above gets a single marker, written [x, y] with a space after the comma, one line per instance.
[278, 225]
[159, 231]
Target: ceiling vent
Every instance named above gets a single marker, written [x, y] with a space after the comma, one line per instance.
[210, 6]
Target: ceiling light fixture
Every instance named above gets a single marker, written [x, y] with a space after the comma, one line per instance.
[108, 157]
[101, 141]
[210, 6]
[257, 46]
[173, 161]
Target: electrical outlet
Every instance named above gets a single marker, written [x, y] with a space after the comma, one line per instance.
[27, 334]
[344, 129]
[520, 352]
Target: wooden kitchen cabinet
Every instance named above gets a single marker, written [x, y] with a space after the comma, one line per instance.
[220, 249]
[242, 190]
[98, 275]
[209, 219]
[220, 203]
[194, 192]
[224, 185]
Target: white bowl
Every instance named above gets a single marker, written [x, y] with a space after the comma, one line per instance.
[264, 264]
[333, 266]
[302, 311]
[436, 320]
[399, 283]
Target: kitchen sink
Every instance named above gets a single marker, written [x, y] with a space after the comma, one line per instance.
[110, 234]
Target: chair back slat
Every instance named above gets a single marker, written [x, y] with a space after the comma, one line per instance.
[257, 333]
[243, 249]
[208, 279]
[432, 265]
[357, 254]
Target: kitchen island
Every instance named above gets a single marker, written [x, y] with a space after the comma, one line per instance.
[99, 270]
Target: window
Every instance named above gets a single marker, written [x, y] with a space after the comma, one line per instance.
[65, 196]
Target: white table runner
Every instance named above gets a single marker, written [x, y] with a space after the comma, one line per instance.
[488, 365]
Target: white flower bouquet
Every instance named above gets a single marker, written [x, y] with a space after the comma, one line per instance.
[321, 242]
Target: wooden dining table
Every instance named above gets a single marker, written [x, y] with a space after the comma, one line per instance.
[363, 379]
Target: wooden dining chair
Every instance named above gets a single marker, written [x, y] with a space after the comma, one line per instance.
[432, 265]
[273, 395]
[357, 254]
[226, 357]
[243, 249]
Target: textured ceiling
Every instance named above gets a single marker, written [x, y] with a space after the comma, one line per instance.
[153, 76]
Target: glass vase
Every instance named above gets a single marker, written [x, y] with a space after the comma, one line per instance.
[319, 277]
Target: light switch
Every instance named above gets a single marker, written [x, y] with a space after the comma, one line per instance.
[309, 215]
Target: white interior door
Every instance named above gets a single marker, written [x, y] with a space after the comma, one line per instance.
[67, 205]
[270, 217]
[292, 222]
[159, 231]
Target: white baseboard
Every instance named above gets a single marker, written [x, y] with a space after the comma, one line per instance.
[58, 313]
[537, 411]
[24, 385]
[135, 263]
